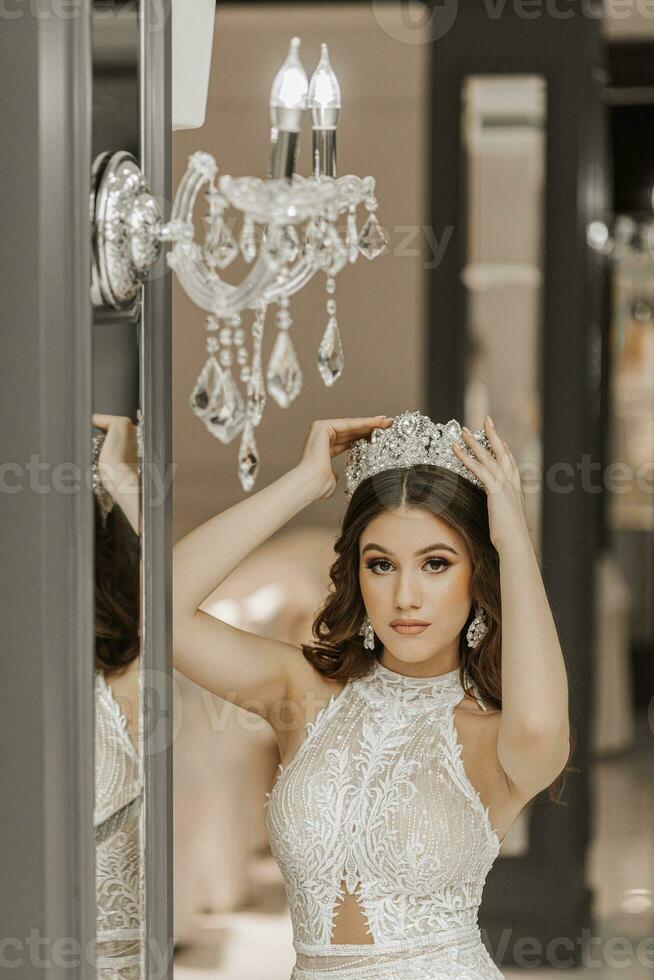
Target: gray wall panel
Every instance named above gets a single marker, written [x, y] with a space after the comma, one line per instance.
[46, 772]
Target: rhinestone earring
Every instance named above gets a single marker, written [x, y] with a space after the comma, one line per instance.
[478, 628]
[368, 634]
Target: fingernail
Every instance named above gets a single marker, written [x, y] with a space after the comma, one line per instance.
[489, 420]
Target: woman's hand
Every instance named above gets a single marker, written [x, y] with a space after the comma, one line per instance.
[118, 459]
[501, 479]
[328, 438]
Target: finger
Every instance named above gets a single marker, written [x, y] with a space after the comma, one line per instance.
[104, 421]
[341, 445]
[357, 428]
[366, 422]
[481, 453]
[509, 453]
[514, 466]
[474, 465]
[499, 448]
[508, 449]
[355, 419]
[498, 445]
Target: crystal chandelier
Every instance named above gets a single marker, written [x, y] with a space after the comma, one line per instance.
[287, 233]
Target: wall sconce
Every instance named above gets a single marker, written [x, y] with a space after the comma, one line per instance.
[298, 238]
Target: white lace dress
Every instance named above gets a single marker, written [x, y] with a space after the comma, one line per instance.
[376, 802]
[118, 831]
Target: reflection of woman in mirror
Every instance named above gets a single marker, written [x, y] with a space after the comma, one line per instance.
[432, 707]
[118, 768]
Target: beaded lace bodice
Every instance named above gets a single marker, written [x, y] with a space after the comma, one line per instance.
[376, 802]
[118, 856]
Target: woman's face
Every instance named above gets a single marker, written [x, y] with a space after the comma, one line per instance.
[414, 566]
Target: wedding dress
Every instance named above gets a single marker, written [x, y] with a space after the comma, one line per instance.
[118, 856]
[376, 803]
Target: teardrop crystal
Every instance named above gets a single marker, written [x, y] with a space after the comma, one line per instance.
[284, 373]
[330, 353]
[372, 240]
[226, 416]
[207, 387]
[248, 458]
[221, 248]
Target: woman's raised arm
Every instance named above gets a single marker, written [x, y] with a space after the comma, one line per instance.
[249, 670]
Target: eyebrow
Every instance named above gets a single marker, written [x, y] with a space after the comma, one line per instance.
[423, 551]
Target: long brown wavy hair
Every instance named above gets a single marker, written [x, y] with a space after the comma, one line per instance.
[117, 592]
[339, 652]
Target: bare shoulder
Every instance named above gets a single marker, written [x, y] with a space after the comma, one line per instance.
[478, 732]
[308, 687]
[477, 727]
[308, 690]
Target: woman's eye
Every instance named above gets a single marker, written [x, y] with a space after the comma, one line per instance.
[440, 562]
[379, 561]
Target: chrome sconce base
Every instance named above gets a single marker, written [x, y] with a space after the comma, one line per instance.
[126, 224]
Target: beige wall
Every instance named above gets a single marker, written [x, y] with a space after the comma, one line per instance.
[380, 303]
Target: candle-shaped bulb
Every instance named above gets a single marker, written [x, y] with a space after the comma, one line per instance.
[288, 95]
[288, 101]
[324, 102]
[324, 92]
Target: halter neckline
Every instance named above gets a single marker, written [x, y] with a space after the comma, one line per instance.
[433, 682]
[448, 684]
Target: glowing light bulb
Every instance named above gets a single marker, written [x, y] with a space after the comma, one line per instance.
[324, 102]
[324, 90]
[288, 101]
[289, 88]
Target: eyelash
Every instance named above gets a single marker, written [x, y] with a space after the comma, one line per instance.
[376, 561]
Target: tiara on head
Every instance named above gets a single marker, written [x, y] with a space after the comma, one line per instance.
[105, 500]
[412, 440]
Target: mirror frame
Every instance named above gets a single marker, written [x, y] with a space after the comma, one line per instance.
[156, 539]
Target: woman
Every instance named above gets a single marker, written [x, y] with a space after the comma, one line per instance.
[432, 707]
[119, 944]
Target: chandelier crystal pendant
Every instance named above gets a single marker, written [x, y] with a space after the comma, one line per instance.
[288, 232]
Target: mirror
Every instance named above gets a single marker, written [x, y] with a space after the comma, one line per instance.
[503, 136]
[117, 441]
[229, 901]
[503, 129]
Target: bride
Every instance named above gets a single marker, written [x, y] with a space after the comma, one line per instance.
[431, 708]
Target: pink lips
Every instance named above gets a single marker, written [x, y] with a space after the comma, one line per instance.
[408, 626]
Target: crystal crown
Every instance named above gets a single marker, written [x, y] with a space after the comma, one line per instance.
[412, 439]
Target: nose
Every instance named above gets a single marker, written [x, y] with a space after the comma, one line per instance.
[407, 594]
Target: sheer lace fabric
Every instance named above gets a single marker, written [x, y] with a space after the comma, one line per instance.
[376, 802]
[117, 818]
